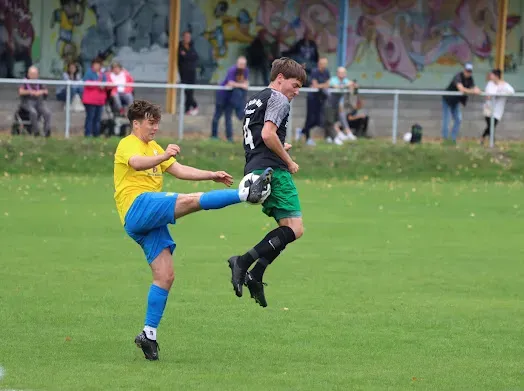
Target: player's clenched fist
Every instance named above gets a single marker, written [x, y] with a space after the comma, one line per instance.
[293, 167]
[171, 151]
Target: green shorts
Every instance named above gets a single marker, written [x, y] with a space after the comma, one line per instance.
[283, 201]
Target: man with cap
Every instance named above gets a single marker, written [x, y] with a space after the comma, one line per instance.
[463, 82]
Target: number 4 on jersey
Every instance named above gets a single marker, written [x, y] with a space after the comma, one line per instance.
[248, 136]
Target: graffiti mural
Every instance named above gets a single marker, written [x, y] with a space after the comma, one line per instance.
[134, 32]
[17, 37]
[417, 41]
[222, 30]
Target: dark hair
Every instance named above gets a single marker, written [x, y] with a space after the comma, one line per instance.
[497, 72]
[77, 70]
[97, 60]
[142, 109]
[289, 68]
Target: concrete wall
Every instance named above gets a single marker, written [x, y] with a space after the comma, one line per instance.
[412, 109]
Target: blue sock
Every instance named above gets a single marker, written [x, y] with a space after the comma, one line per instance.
[156, 302]
[218, 199]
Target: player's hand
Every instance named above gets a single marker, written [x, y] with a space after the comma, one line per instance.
[293, 167]
[223, 177]
[171, 151]
[287, 146]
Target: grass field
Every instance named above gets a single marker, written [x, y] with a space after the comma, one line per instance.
[396, 285]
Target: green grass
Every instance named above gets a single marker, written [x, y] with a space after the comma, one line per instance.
[395, 285]
[366, 159]
[409, 275]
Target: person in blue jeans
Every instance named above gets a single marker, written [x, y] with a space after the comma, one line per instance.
[229, 101]
[94, 98]
[72, 74]
[464, 83]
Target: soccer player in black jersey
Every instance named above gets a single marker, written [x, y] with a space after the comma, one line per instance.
[265, 128]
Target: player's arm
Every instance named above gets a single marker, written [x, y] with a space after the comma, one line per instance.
[142, 163]
[189, 173]
[270, 137]
[277, 109]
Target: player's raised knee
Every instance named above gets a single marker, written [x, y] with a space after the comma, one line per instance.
[296, 225]
[298, 230]
[187, 203]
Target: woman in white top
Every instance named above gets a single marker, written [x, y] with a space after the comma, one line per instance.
[495, 104]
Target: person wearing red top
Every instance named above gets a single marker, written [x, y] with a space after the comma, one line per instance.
[121, 95]
[94, 98]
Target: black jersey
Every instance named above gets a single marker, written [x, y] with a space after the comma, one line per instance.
[267, 105]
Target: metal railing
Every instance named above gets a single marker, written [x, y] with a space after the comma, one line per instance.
[182, 87]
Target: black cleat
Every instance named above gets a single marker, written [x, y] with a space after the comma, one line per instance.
[148, 346]
[238, 276]
[257, 188]
[256, 288]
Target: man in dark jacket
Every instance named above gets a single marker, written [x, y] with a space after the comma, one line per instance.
[187, 63]
[462, 82]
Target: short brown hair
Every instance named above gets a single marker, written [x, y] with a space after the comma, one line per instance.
[142, 109]
[289, 68]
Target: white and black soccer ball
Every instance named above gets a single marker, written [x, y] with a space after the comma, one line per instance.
[248, 181]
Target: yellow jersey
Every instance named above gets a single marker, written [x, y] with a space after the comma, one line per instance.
[130, 183]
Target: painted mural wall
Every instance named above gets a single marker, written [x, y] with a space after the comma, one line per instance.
[134, 32]
[222, 30]
[19, 39]
[422, 43]
[390, 43]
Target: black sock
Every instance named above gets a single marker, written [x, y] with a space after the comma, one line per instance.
[260, 267]
[258, 270]
[273, 242]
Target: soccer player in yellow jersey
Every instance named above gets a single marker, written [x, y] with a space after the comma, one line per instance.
[145, 211]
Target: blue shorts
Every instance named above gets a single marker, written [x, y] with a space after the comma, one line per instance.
[146, 222]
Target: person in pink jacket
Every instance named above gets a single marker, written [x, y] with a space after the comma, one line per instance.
[94, 98]
[121, 94]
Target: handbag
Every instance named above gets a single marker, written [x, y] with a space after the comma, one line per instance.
[487, 109]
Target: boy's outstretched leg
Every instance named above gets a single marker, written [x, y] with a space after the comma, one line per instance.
[218, 199]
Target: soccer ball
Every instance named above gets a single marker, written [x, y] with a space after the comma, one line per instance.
[407, 137]
[248, 181]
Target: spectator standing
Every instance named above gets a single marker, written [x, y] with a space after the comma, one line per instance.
[228, 101]
[94, 98]
[316, 100]
[33, 96]
[335, 108]
[495, 105]
[463, 82]
[259, 57]
[72, 74]
[121, 95]
[187, 64]
[305, 51]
